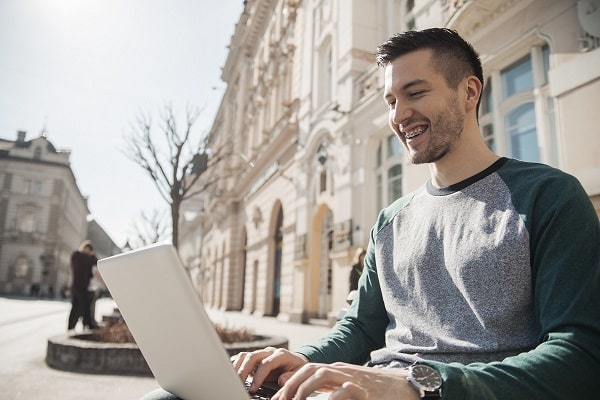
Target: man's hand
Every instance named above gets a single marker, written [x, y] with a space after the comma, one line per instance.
[268, 364]
[348, 382]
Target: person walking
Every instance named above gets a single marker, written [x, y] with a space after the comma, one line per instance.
[83, 261]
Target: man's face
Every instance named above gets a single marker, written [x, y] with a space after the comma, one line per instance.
[424, 112]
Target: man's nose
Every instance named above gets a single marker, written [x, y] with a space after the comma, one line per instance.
[400, 114]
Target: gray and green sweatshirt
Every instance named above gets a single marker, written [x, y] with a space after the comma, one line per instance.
[494, 281]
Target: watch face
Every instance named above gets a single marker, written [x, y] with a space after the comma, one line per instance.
[427, 377]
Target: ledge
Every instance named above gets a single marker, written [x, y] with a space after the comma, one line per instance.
[75, 353]
[72, 352]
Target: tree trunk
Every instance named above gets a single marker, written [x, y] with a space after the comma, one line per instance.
[175, 220]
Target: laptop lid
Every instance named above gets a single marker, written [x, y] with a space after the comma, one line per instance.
[164, 313]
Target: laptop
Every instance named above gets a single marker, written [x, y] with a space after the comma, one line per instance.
[166, 317]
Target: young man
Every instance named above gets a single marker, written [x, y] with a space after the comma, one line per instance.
[483, 284]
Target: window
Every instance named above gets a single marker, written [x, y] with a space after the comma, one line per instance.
[488, 136]
[323, 181]
[389, 170]
[394, 182]
[394, 146]
[509, 108]
[546, 62]
[517, 78]
[519, 123]
[487, 105]
[36, 188]
[325, 74]
[27, 220]
[321, 156]
[21, 268]
[28, 186]
[25, 186]
[410, 16]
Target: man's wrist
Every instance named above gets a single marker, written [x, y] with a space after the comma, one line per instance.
[426, 381]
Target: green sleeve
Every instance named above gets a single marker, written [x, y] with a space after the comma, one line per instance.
[565, 259]
[362, 330]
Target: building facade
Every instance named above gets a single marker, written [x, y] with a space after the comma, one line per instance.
[312, 160]
[42, 216]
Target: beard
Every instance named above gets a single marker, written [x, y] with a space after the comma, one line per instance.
[444, 130]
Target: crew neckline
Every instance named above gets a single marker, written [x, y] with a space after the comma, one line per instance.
[435, 191]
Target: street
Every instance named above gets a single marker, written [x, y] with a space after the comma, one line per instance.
[26, 324]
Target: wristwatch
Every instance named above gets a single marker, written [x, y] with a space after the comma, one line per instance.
[426, 380]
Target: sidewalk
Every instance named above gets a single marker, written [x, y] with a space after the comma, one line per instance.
[24, 374]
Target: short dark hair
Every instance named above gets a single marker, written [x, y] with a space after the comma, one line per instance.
[455, 58]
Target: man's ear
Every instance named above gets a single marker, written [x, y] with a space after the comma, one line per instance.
[472, 87]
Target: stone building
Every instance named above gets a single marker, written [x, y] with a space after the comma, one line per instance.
[42, 216]
[312, 160]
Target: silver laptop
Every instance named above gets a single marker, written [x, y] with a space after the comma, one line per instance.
[166, 317]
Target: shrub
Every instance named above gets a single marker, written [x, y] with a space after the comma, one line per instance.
[118, 332]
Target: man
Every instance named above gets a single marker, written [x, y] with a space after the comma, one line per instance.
[482, 284]
[83, 263]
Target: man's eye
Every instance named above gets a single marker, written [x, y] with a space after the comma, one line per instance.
[391, 105]
[416, 94]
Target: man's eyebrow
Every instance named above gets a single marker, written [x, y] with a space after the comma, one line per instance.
[407, 86]
[415, 82]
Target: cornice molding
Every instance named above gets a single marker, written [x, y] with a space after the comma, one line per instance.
[470, 16]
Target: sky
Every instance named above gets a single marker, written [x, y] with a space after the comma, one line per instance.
[85, 69]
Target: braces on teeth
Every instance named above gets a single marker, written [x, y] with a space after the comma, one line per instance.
[414, 133]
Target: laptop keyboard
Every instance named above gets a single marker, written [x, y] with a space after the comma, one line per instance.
[264, 393]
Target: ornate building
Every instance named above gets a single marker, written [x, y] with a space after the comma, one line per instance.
[312, 160]
[42, 216]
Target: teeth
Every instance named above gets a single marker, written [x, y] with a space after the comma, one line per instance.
[410, 135]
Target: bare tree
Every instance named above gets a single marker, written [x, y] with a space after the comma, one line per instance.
[149, 229]
[174, 164]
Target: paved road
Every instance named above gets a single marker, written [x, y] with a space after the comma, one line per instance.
[26, 324]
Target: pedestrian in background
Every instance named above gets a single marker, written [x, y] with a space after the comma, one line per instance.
[357, 268]
[82, 263]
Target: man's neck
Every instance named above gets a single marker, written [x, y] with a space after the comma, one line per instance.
[463, 161]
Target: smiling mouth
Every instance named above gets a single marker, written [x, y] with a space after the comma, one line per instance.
[415, 132]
